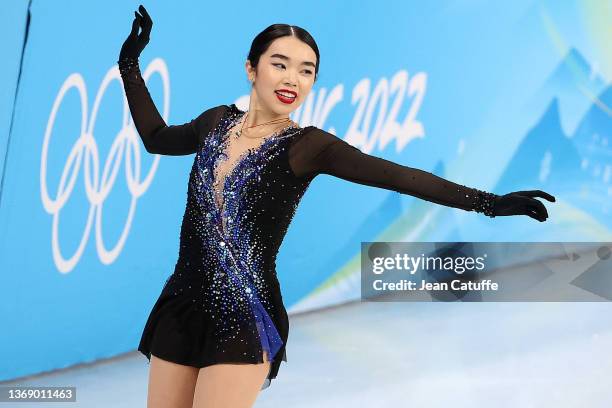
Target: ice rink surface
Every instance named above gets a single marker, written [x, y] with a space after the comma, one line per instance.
[408, 354]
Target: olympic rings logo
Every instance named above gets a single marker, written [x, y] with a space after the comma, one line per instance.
[85, 152]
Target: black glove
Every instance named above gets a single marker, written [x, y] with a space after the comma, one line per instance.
[522, 203]
[135, 43]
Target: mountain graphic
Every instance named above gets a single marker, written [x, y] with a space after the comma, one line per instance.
[546, 156]
[576, 169]
[592, 138]
[574, 82]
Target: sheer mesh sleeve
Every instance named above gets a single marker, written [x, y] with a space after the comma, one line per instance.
[320, 152]
[156, 135]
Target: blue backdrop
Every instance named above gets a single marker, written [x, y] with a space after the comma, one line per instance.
[498, 96]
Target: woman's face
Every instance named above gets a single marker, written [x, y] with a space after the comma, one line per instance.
[288, 64]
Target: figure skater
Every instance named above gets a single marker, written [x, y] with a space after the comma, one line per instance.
[217, 334]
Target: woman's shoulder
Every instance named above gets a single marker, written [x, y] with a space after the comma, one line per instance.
[209, 113]
[315, 133]
[214, 114]
[312, 140]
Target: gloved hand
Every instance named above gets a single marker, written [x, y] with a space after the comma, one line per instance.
[522, 203]
[135, 43]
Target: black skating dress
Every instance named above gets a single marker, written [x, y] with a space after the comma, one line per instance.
[223, 302]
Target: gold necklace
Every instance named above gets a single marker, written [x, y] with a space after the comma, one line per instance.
[237, 133]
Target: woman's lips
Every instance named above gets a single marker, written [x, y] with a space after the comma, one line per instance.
[283, 98]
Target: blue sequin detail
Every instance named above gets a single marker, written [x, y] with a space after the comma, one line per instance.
[237, 295]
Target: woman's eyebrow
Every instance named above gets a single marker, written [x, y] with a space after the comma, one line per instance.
[284, 57]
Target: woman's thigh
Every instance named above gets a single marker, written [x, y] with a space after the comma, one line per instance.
[230, 385]
[171, 385]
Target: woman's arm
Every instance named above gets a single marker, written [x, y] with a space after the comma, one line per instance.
[156, 135]
[320, 152]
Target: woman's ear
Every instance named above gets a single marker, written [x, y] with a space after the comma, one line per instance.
[250, 71]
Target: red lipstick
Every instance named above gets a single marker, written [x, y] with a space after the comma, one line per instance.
[285, 95]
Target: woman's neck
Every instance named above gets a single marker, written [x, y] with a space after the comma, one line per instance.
[256, 117]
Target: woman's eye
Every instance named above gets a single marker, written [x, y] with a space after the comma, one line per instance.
[282, 65]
